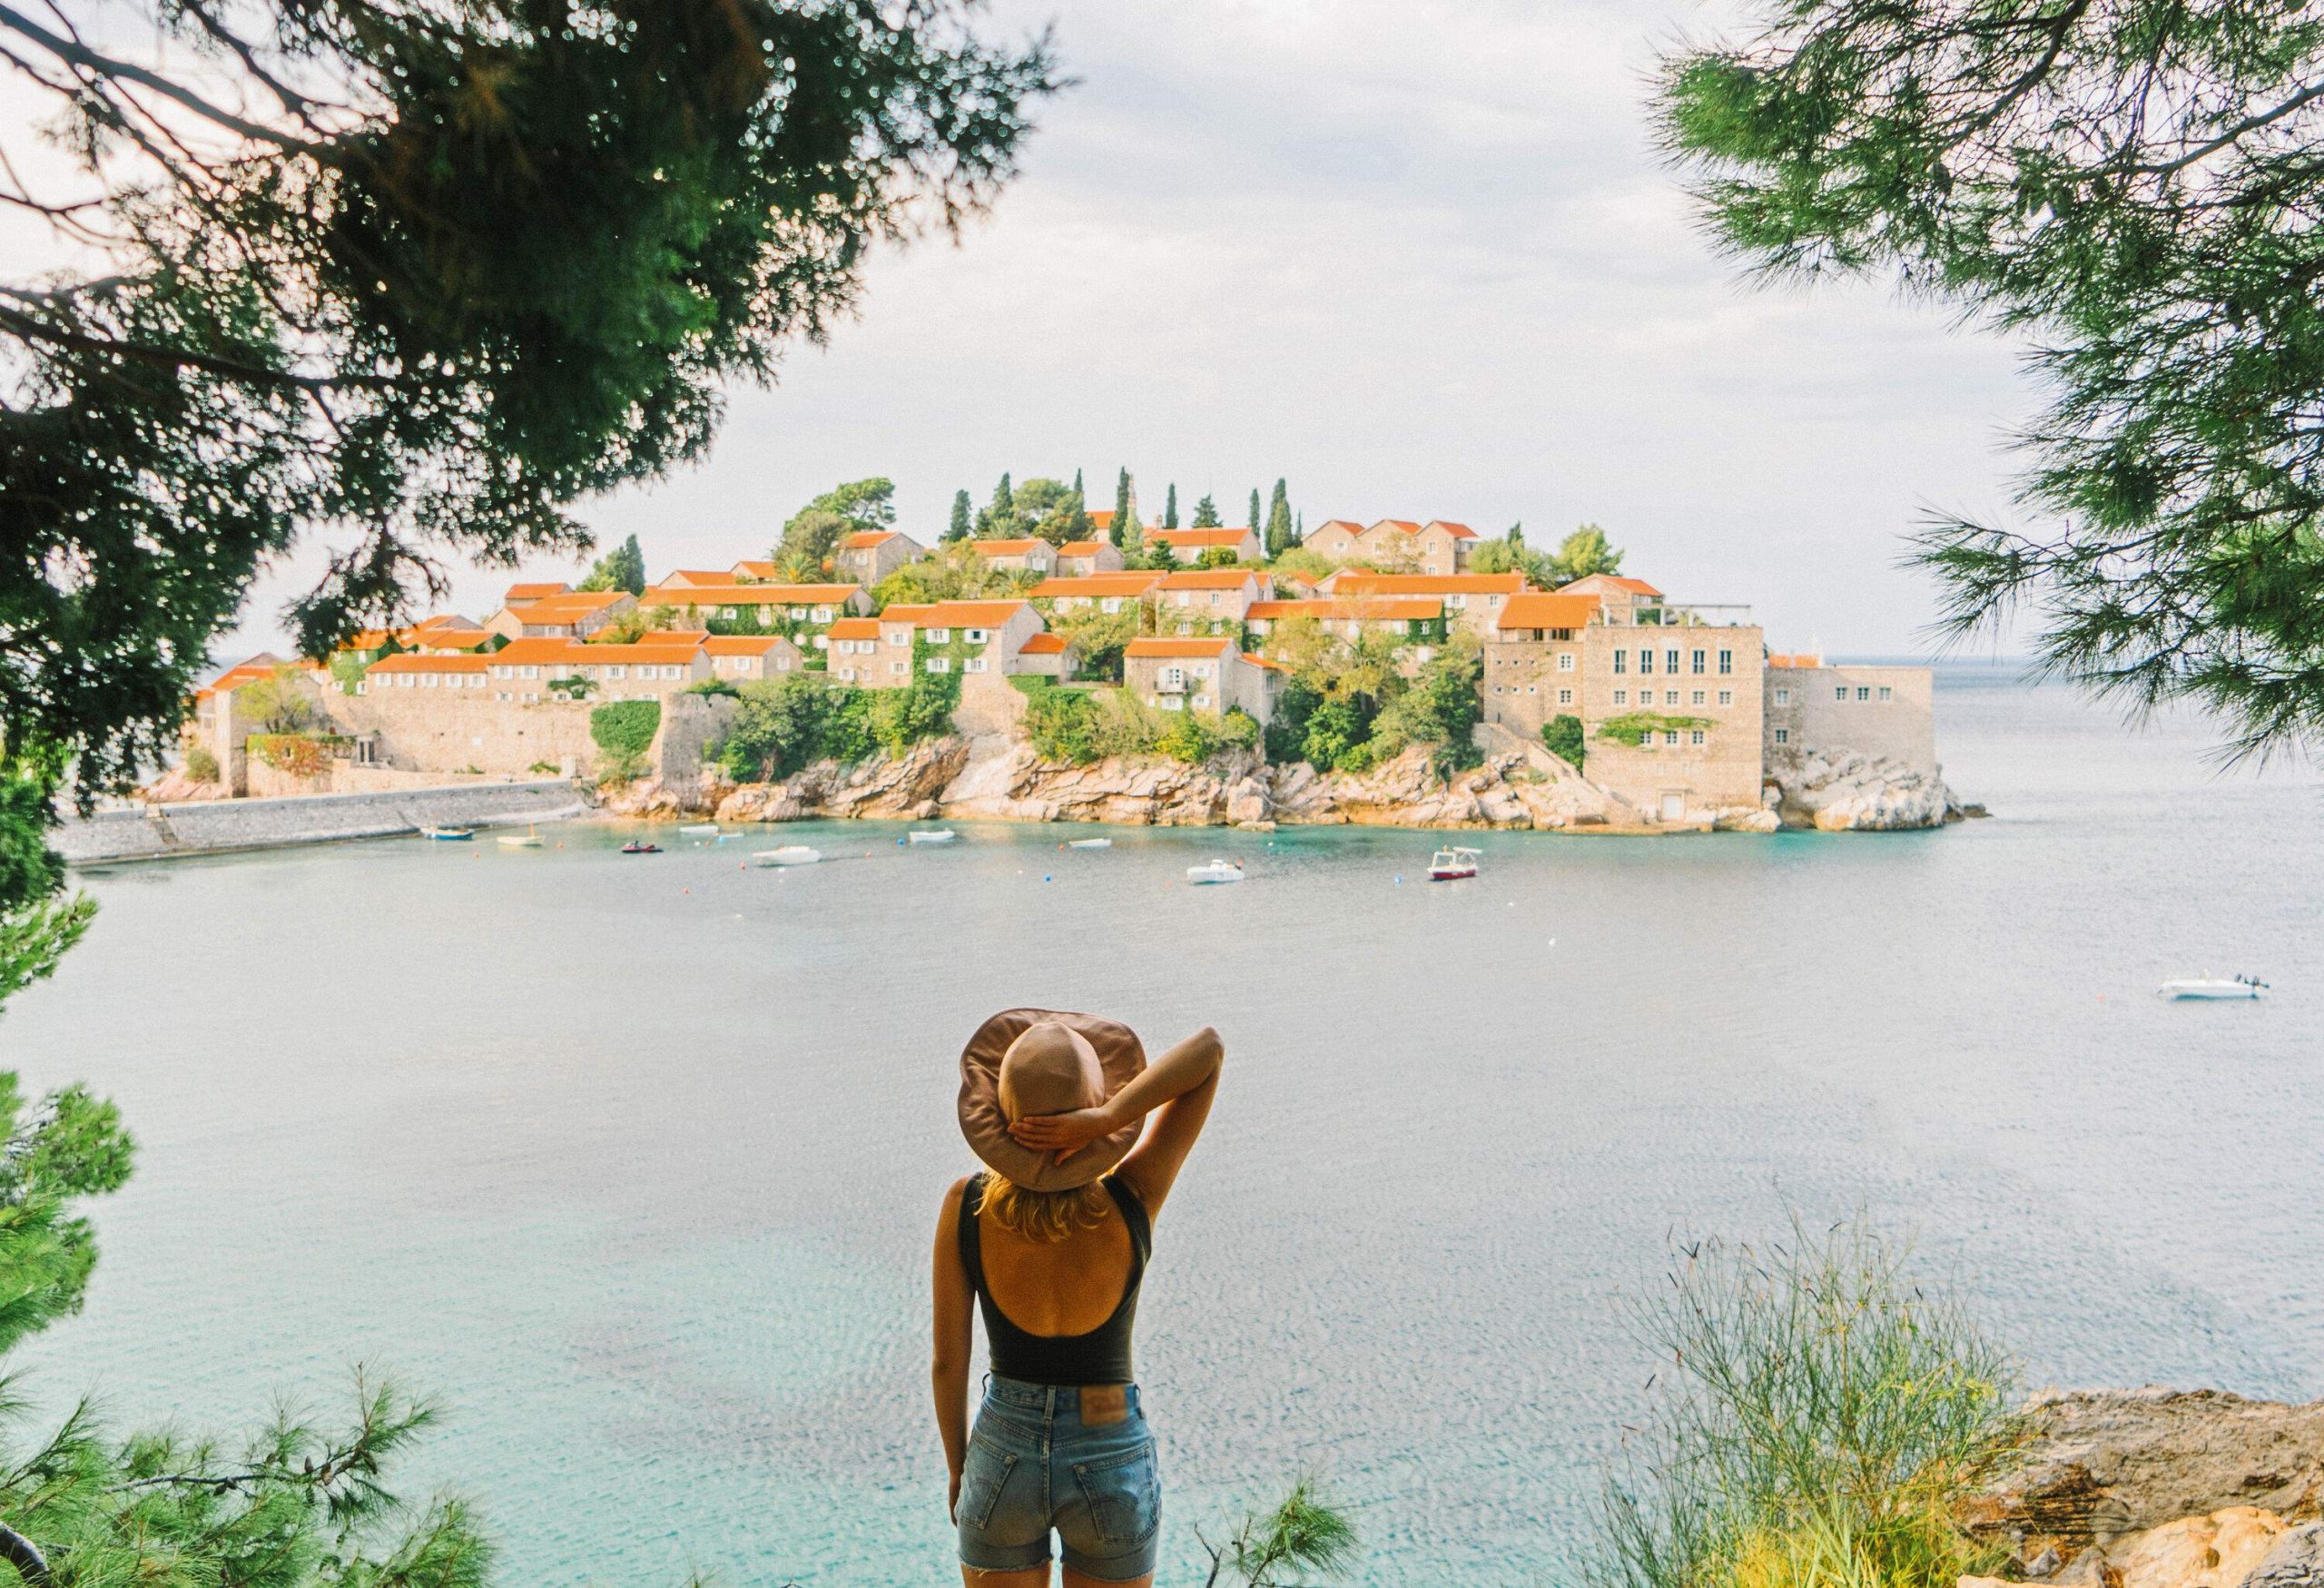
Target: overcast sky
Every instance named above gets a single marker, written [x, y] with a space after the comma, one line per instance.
[1418, 257]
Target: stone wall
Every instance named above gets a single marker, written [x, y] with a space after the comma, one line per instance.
[211, 826]
[989, 704]
[691, 724]
[436, 731]
[1900, 728]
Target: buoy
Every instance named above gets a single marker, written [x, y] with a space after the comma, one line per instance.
[1400, 882]
[1045, 876]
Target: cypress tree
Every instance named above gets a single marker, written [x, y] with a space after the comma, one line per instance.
[1077, 483]
[1279, 538]
[1123, 509]
[1000, 518]
[1170, 508]
[1205, 513]
[959, 528]
[1254, 521]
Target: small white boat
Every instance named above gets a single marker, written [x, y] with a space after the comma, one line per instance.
[1450, 865]
[1091, 843]
[933, 835]
[530, 838]
[789, 854]
[2208, 986]
[700, 829]
[1216, 871]
[449, 834]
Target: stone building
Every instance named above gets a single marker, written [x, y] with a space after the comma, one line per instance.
[1472, 601]
[1187, 546]
[1078, 557]
[1813, 708]
[1194, 599]
[1106, 592]
[1027, 552]
[1397, 545]
[1203, 673]
[868, 556]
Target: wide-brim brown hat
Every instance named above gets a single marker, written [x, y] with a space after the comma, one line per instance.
[1120, 1058]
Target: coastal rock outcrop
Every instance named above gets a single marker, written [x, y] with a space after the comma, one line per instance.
[1850, 793]
[2160, 1488]
[880, 787]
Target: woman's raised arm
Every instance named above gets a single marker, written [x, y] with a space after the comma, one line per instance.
[1176, 1089]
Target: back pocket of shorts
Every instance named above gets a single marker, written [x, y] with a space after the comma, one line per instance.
[983, 1476]
[1124, 1493]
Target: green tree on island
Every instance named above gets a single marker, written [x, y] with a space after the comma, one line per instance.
[1125, 512]
[1205, 513]
[814, 533]
[1256, 522]
[622, 568]
[2131, 191]
[962, 524]
[1051, 510]
[1584, 552]
[1280, 537]
[434, 305]
[1000, 519]
[1170, 508]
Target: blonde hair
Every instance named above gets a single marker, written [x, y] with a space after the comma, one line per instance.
[1043, 1216]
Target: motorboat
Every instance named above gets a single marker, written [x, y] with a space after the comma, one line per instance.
[2209, 986]
[1452, 865]
[789, 854]
[530, 838]
[639, 847]
[1091, 843]
[933, 835]
[1216, 871]
[700, 829]
[449, 834]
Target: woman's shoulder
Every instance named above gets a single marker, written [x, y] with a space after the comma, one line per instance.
[956, 1194]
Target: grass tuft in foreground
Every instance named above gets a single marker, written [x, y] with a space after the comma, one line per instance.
[1823, 1417]
[1305, 1533]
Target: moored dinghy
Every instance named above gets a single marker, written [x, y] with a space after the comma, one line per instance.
[789, 854]
[2210, 986]
[1216, 871]
[700, 829]
[530, 838]
[1452, 865]
[933, 835]
[449, 834]
[1091, 843]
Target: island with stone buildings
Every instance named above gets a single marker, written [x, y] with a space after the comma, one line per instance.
[1389, 673]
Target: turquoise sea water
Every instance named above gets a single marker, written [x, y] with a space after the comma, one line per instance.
[634, 1162]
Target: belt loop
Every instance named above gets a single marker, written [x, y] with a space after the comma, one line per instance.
[1051, 1410]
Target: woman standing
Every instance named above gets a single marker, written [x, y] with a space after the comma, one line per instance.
[1081, 1141]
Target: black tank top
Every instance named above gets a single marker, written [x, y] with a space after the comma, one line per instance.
[1100, 1356]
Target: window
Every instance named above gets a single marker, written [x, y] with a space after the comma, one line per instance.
[898, 636]
[1622, 696]
[1669, 697]
[1172, 702]
[976, 636]
[1457, 603]
[1669, 736]
[1886, 693]
[1863, 694]
[1697, 698]
[940, 636]
[1565, 660]
[532, 672]
[896, 666]
[1726, 662]
[1695, 736]
[1669, 661]
[822, 614]
[939, 663]
[1698, 658]
[847, 674]
[1620, 657]
[1565, 697]
[1841, 692]
[782, 665]
[1783, 736]
[972, 665]
[1171, 678]
[1783, 697]
[1646, 661]
[504, 672]
[1111, 604]
[1726, 697]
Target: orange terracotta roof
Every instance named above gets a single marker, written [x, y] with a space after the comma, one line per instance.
[1797, 659]
[1270, 663]
[1045, 644]
[1541, 609]
[1355, 580]
[453, 639]
[1350, 525]
[745, 644]
[907, 611]
[855, 628]
[1406, 525]
[367, 639]
[1136, 583]
[568, 608]
[970, 613]
[1005, 548]
[753, 569]
[1384, 609]
[660, 636]
[1635, 587]
[1209, 580]
[865, 539]
[552, 651]
[262, 666]
[1224, 537]
[1104, 521]
[1458, 531]
[732, 594]
[1082, 548]
[536, 591]
[699, 576]
[1155, 645]
[409, 663]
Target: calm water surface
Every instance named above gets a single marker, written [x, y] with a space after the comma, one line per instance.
[634, 1163]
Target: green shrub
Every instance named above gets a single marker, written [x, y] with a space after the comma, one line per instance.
[1286, 736]
[713, 687]
[549, 766]
[1562, 737]
[1238, 730]
[790, 722]
[625, 727]
[923, 709]
[1823, 1419]
[1062, 725]
[1335, 729]
[1187, 738]
[201, 764]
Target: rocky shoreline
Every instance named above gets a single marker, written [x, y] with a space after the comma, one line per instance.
[2161, 1488]
[998, 777]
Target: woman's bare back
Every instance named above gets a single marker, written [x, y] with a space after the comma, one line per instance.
[1058, 1288]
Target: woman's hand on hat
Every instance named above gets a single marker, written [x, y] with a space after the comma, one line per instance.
[1063, 1134]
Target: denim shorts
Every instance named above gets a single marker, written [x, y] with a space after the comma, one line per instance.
[1032, 1467]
